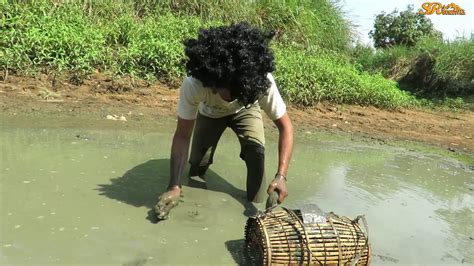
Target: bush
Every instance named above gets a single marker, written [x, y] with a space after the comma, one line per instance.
[144, 39]
[306, 79]
[430, 69]
[454, 66]
[307, 23]
[405, 28]
[154, 46]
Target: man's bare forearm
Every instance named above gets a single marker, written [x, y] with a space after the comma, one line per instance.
[285, 149]
[179, 158]
[285, 143]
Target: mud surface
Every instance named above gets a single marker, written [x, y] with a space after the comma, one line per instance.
[101, 95]
[79, 189]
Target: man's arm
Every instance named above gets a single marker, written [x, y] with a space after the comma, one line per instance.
[285, 150]
[285, 143]
[179, 151]
[179, 157]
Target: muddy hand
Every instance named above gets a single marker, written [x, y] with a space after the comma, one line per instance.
[279, 185]
[166, 202]
[272, 200]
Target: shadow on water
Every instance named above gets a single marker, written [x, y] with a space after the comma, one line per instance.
[142, 185]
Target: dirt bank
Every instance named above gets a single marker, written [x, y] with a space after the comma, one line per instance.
[51, 93]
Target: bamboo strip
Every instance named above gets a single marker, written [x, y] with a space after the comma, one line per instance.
[327, 233]
[332, 260]
[321, 253]
[285, 262]
[293, 227]
[281, 250]
[321, 225]
[295, 231]
[327, 255]
[317, 236]
[315, 239]
[313, 248]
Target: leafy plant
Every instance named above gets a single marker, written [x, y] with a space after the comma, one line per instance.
[143, 38]
[404, 28]
[432, 68]
[306, 79]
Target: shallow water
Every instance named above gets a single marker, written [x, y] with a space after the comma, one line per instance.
[81, 191]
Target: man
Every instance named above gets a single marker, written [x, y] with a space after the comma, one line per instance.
[229, 82]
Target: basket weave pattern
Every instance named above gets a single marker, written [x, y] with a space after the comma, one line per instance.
[281, 237]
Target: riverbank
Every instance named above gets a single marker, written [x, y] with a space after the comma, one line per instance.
[101, 95]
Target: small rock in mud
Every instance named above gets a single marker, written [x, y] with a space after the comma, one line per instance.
[193, 213]
[116, 118]
[47, 94]
[387, 258]
[82, 137]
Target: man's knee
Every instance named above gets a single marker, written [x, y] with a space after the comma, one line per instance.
[252, 152]
[200, 161]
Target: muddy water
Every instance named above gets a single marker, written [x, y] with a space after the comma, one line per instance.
[76, 191]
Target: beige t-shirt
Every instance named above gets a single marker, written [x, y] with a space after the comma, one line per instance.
[193, 96]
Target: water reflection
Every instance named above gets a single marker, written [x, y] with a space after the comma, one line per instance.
[418, 206]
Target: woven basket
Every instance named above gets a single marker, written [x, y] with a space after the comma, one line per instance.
[281, 237]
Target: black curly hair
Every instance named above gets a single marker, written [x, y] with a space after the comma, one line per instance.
[236, 57]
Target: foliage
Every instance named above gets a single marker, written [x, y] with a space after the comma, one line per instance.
[144, 38]
[32, 37]
[307, 23]
[154, 46]
[307, 79]
[453, 66]
[404, 28]
[432, 68]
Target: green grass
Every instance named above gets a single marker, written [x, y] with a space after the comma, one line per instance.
[66, 38]
[308, 78]
[143, 38]
[306, 23]
[433, 69]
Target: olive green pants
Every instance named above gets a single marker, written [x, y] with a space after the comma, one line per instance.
[248, 125]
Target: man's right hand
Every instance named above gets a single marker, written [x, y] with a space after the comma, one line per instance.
[167, 201]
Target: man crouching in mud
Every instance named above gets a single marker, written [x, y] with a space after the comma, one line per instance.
[229, 82]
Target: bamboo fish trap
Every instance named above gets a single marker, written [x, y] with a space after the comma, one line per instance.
[283, 237]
